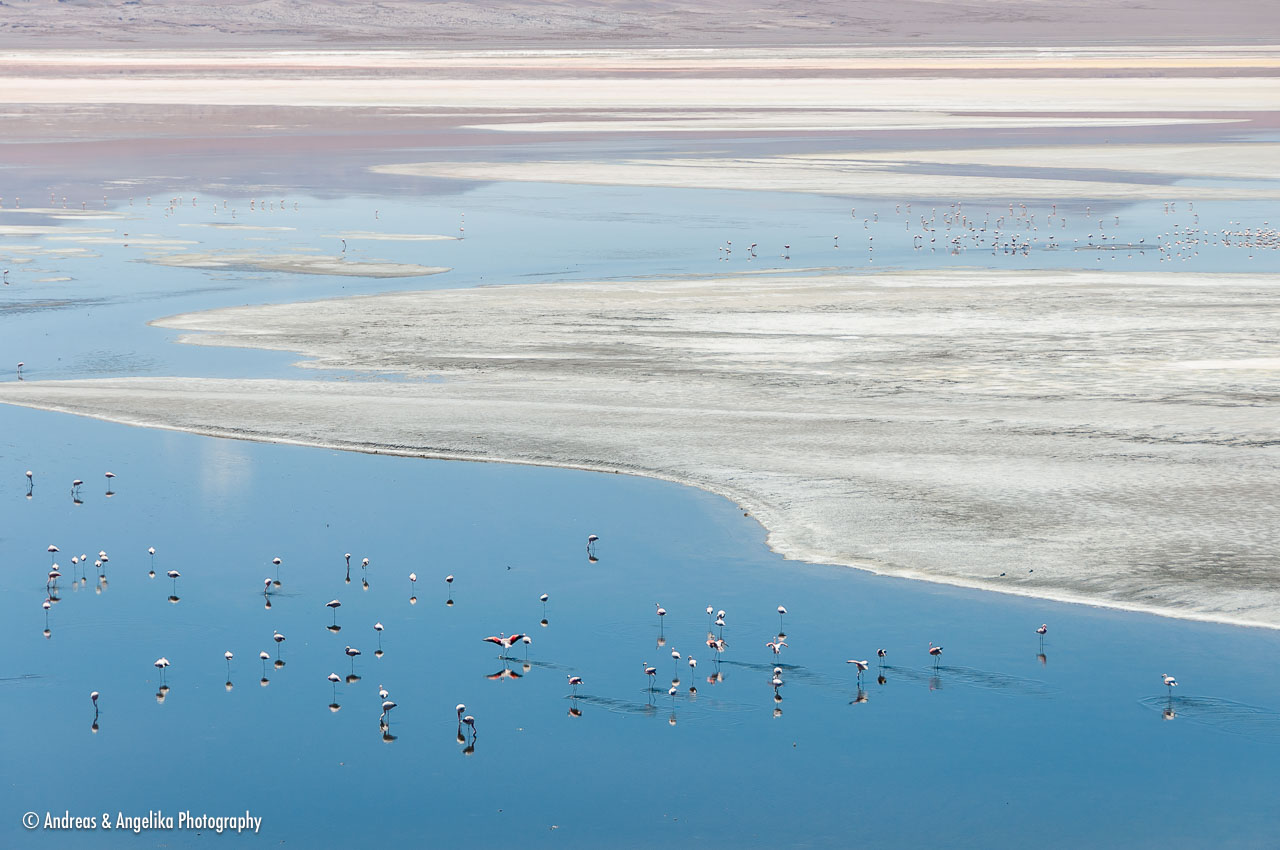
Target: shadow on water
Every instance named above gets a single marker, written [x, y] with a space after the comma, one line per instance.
[968, 676]
[1234, 718]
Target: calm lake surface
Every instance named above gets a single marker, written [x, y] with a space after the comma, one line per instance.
[1064, 742]
[1006, 741]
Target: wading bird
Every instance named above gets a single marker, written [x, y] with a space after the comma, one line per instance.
[861, 665]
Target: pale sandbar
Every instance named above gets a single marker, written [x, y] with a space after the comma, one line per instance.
[1025, 432]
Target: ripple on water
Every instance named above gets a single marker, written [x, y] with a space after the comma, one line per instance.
[1234, 718]
[968, 676]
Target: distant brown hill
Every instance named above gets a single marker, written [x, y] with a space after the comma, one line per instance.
[392, 23]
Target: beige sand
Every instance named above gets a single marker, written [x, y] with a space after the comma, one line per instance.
[742, 121]
[1004, 94]
[849, 174]
[293, 263]
[1141, 55]
[1241, 160]
[950, 426]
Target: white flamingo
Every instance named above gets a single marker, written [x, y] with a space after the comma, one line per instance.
[861, 665]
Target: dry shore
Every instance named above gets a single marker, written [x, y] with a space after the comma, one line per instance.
[1105, 438]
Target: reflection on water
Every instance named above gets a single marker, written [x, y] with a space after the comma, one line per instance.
[1224, 715]
[627, 762]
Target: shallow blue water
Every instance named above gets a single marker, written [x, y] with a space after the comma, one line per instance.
[996, 746]
[1008, 741]
[94, 325]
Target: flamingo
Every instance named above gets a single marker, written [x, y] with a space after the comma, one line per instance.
[504, 641]
[94, 696]
[448, 579]
[52, 550]
[471, 721]
[527, 640]
[265, 656]
[1042, 630]
[279, 639]
[277, 562]
[352, 653]
[662, 612]
[776, 646]
[377, 627]
[708, 618]
[693, 664]
[161, 663]
[109, 476]
[387, 705]
[1169, 682]
[936, 652]
[543, 599]
[861, 665]
[651, 672]
[228, 655]
[174, 575]
[334, 678]
[29, 481]
[413, 580]
[880, 654]
[575, 681]
[781, 612]
[334, 605]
